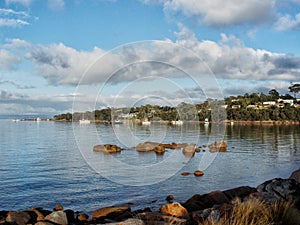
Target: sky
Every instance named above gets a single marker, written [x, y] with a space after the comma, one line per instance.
[60, 56]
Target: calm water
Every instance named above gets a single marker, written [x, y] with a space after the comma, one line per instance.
[48, 163]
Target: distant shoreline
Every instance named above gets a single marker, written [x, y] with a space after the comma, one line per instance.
[238, 122]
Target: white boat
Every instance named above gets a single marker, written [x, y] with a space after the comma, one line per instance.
[117, 121]
[15, 120]
[38, 119]
[177, 122]
[206, 121]
[84, 121]
[146, 122]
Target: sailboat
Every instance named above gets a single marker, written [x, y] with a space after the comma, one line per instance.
[206, 121]
[84, 121]
[177, 122]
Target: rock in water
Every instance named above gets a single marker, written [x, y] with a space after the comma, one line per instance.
[58, 217]
[185, 173]
[170, 198]
[198, 173]
[147, 146]
[107, 148]
[189, 148]
[174, 209]
[218, 146]
[160, 150]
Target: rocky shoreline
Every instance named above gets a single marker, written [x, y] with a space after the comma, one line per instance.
[211, 208]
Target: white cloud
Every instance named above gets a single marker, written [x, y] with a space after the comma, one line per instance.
[12, 18]
[8, 61]
[288, 23]
[12, 22]
[60, 64]
[228, 59]
[5, 11]
[219, 12]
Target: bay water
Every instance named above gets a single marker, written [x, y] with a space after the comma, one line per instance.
[48, 163]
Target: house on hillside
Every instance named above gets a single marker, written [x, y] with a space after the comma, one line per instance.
[286, 101]
[268, 104]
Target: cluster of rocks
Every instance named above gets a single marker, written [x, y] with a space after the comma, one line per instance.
[160, 148]
[197, 209]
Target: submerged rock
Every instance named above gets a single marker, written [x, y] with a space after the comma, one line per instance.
[185, 173]
[218, 146]
[190, 148]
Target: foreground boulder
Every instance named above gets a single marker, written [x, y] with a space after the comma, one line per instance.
[19, 218]
[174, 209]
[161, 218]
[287, 189]
[107, 148]
[201, 202]
[295, 175]
[131, 221]
[58, 217]
[110, 212]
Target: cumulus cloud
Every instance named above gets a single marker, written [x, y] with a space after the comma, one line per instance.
[60, 64]
[221, 13]
[227, 58]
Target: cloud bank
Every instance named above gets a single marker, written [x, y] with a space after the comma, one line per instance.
[220, 13]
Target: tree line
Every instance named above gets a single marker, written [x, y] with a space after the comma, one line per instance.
[237, 109]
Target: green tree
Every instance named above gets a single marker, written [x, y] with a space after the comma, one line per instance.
[274, 94]
[295, 88]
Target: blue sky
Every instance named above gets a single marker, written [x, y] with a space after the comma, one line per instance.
[102, 53]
